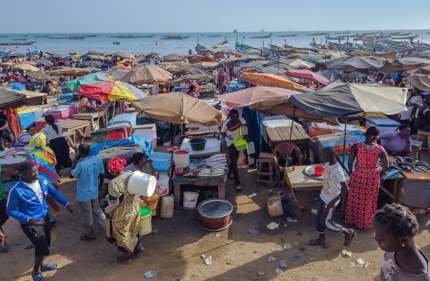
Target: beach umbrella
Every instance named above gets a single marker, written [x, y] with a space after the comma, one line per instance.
[96, 57]
[309, 75]
[6, 64]
[189, 77]
[270, 80]
[26, 67]
[39, 76]
[149, 61]
[196, 59]
[44, 62]
[148, 74]
[405, 64]
[420, 81]
[111, 91]
[118, 74]
[69, 71]
[178, 108]
[124, 55]
[298, 63]
[15, 55]
[349, 64]
[173, 57]
[91, 63]
[88, 79]
[15, 99]
[341, 99]
[253, 95]
[186, 70]
[54, 54]
[120, 67]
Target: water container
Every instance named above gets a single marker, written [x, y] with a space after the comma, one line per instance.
[190, 199]
[145, 221]
[167, 207]
[181, 157]
[162, 184]
[141, 184]
[274, 206]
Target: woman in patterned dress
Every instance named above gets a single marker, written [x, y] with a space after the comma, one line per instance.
[365, 179]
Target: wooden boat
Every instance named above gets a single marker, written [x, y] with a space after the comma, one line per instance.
[262, 37]
[223, 44]
[91, 35]
[215, 35]
[202, 50]
[411, 37]
[19, 39]
[76, 37]
[174, 37]
[235, 31]
[123, 36]
[145, 36]
[41, 35]
[116, 43]
[318, 34]
[288, 35]
[18, 43]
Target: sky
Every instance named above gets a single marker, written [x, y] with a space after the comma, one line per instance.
[78, 16]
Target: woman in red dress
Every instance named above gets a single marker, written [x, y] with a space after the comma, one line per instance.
[365, 179]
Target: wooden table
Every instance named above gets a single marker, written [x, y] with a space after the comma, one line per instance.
[79, 127]
[213, 146]
[415, 190]
[96, 119]
[219, 182]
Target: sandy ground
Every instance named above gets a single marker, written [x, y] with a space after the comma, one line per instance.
[176, 248]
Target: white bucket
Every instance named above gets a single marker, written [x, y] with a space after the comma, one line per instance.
[181, 157]
[190, 199]
[162, 184]
[167, 207]
[141, 184]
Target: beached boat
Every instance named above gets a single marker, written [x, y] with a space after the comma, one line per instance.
[202, 50]
[17, 43]
[409, 37]
[223, 44]
[318, 34]
[174, 37]
[41, 36]
[262, 36]
[288, 35]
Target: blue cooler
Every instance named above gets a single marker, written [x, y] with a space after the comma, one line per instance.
[162, 161]
[385, 125]
[123, 119]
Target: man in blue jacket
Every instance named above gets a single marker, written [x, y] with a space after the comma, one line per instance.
[27, 204]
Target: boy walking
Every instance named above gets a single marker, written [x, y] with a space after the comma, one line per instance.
[89, 172]
[334, 188]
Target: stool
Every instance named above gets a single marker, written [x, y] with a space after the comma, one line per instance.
[422, 135]
[417, 146]
[265, 168]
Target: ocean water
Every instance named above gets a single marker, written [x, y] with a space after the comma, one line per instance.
[103, 42]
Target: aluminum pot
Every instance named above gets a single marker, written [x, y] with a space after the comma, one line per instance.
[215, 214]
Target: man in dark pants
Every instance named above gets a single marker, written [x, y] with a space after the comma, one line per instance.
[4, 248]
[27, 204]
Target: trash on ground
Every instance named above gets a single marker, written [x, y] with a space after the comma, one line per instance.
[150, 274]
[297, 257]
[208, 260]
[283, 263]
[278, 271]
[288, 246]
[252, 195]
[176, 279]
[271, 259]
[260, 273]
[345, 253]
[273, 225]
[253, 231]
[291, 220]
[302, 249]
[218, 235]
[314, 211]
[299, 233]
[360, 263]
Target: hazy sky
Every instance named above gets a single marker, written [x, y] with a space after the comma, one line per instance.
[215, 15]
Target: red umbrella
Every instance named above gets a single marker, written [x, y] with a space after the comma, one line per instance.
[307, 74]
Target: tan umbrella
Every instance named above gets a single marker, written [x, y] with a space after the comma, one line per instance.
[68, 71]
[39, 76]
[196, 59]
[92, 63]
[173, 57]
[206, 64]
[178, 108]
[26, 67]
[124, 55]
[147, 74]
[6, 64]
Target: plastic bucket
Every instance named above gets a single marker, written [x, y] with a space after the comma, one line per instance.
[145, 221]
[141, 184]
[181, 157]
[190, 199]
[162, 184]
[274, 206]
[167, 207]
[319, 171]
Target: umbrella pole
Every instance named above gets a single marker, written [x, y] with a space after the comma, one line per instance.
[292, 122]
[344, 140]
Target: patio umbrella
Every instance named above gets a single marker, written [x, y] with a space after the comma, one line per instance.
[178, 108]
[44, 62]
[147, 74]
[298, 63]
[124, 55]
[420, 81]
[91, 63]
[341, 99]
[250, 96]
[26, 67]
[173, 57]
[39, 76]
[349, 64]
[309, 75]
[185, 70]
[118, 74]
[69, 71]
[405, 64]
[189, 77]
[111, 91]
[270, 80]
[86, 80]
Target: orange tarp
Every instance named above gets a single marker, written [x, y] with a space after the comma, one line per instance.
[270, 80]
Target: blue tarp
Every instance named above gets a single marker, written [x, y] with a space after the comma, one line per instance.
[17, 86]
[96, 148]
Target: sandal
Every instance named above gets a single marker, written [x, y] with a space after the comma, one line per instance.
[140, 249]
[348, 238]
[37, 276]
[49, 267]
[86, 238]
[317, 242]
[124, 260]
[4, 248]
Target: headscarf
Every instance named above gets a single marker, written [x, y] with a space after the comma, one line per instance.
[116, 165]
[38, 140]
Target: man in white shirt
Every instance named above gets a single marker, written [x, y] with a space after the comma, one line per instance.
[334, 188]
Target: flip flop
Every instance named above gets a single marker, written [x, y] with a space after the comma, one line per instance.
[317, 242]
[124, 260]
[4, 248]
[348, 240]
[49, 267]
[37, 276]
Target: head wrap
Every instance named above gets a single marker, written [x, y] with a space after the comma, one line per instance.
[116, 165]
[38, 140]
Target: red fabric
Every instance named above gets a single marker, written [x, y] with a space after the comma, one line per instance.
[363, 188]
[116, 164]
[98, 91]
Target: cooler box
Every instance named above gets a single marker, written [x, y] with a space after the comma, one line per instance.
[162, 161]
[163, 186]
[385, 125]
[65, 97]
[40, 124]
[60, 113]
[120, 119]
[29, 115]
[73, 108]
[149, 136]
[111, 134]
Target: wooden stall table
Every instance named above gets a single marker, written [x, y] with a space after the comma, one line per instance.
[213, 146]
[201, 182]
[415, 190]
[79, 127]
[96, 119]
